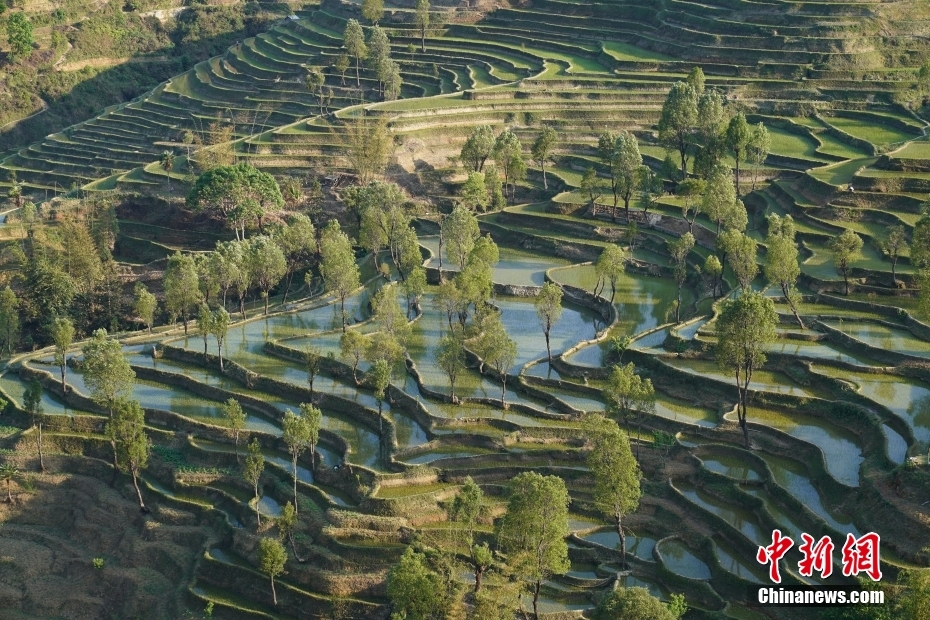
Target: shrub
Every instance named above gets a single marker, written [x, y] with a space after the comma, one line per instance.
[98, 563]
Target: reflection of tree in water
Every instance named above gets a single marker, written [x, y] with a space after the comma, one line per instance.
[919, 410]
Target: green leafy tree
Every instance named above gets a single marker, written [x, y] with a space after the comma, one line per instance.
[32, 403]
[460, 232]
[313, 362]
[846, 248]
[235, 420]
[379, 54]
[182, 290]
[166, 161]
[252, 472]
[744, 327]
[315, 81]
[738, 136]
[632, 604]
[478, 147]
[379, 376]
[677, 121]
[495, 189]
[542, 150]
[679, 250]
[450, 357]
[740, 249]
[548, 305]
[474, 193]
[414, 287]
[9, 320]
[714, 270]
[499, 351]
[610, 267]
[108, 376]
[144, 305]
[534, 528]
[373, 10]
[711, 129]
[416, 591]
[341, 65]
[616, 473]
[781, 261]
[691, 191]
[340, 272]
[219, 327]
[894, 243]
[592, 188]
[61, 331]
[421, 18]
[19, 36]
[267, 263]
[367, 145]
[620, 154]
[127, 431]
[508, 155]
[239, 193]
[297, 436]
[696, 81]
[757, 150]
[287, 523]
[352, 346]
[627, 395]
[204, 325]
[719, 196]
[354, 41]
[313, 418]
[272, 556]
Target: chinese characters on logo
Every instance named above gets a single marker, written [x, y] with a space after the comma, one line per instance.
[860, 555]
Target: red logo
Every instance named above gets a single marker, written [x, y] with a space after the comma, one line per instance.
[774, 552]
[860, 555]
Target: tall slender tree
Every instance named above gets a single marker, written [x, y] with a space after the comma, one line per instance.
[127, 431]
[542, 149]
[781, 261]
[252, 472]
[354, 41]
[679, 250]
[677, 121]
[340, 272]
[548, 305]
[108, 376]
[61, 331]
[235, 420]
[272, 557]
[32, 403]
[297, 436]
[182, 290]
[144, 305]
[846, 248]
[421, 18]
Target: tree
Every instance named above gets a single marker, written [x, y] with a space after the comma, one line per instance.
[744, 327]
[297, 436]
[367, 144]
[740, 248]
[127, 430]
[757, 150]
[315, 81]
[240, 193]
[272, 556]
[450, 357]
[466, 509]
[676, 124]
[500, 351]
[781, 260]
[508, 155]
[691, 191]
[421, 18]
[711, 128]
[313, 418]
[353, 40]
[393, 81]
[620, 153]
[204, 325]
[414, 287]
[719, 195]
[341, 65]
[379, 376]
[32, 403]
[548, 305]
[627, 395]
[679, 250]
[474, 193]
[379, 54]
[252, 472]
[534, 528]
[714, 269]
[9, 473]
[219, 326]
[167, 164]
[893, 245]
[9, 320]
[182, 290]
[373, 10]
[542, 149]
[267, 264]
[460, 231]
[313, 361]
[144, 305]
[696, 81]
[235, 420]
[61, 332]
[591, 188]
[495, 189]
[340, 272]
[610, 265]
[846, 248]
[352, 346]
[287, 523]
[19, 36]
[651, 188]
[416, 592]
[478, 147]
[107, 375]
[616, 473]
[738, 137]
[631, 604]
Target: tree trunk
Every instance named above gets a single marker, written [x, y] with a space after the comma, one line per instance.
[242, 305]
[613, 291]
[184, 320]
[274, 595]
[237, 446]
[737, 174]
[258, 514]
[423, 40]
[536, 589]
[684, 161]
[39, 441]
[548, 350]
[287, 287]
[204, 347]
[479, 573]
[358, 82]
[794, 310]
[64, 384]
[290, 537]
[295, 483]
[266, 303]
[503, 388]
[219, 352]
[135, 483]
[343, 302]
[619, 518]
[846, 281]
[545, 182]
[9, 492]
[678, 306]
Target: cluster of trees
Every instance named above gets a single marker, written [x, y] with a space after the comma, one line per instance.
[485, 189]
[376, 52]
[695, 122]
[528, 545]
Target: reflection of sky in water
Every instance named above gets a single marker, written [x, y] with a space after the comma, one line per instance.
[681, 561]
[514, 266]
[883, 337]
[743, 520]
